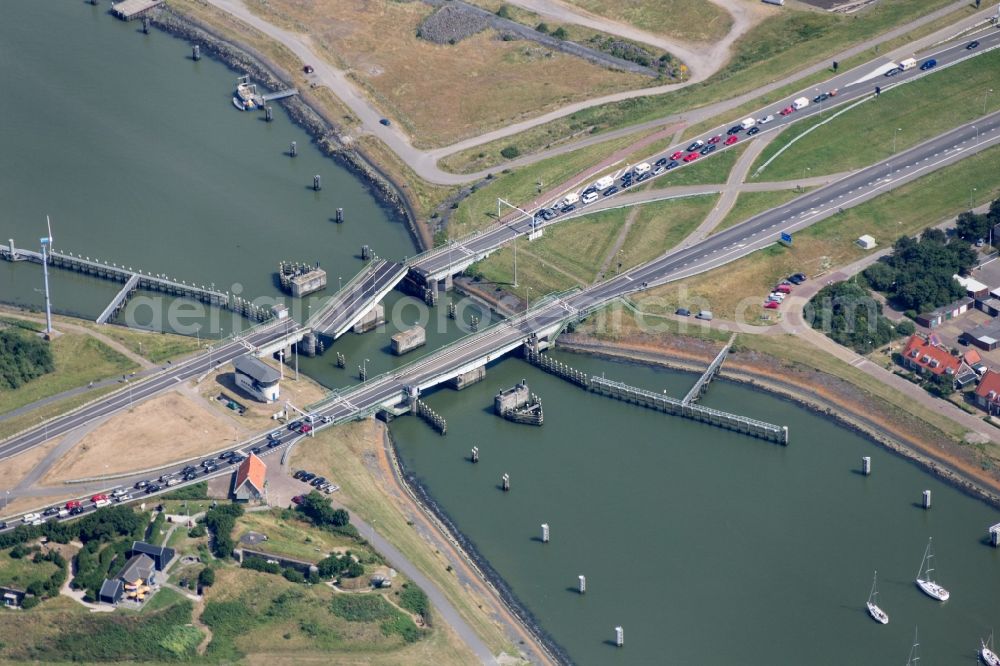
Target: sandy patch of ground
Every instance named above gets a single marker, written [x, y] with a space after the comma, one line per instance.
[166, 428]
[13, 469]
[257, 416]
[18, 506]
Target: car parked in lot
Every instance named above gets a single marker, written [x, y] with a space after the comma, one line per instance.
[974, 44]
[307, 477]
[299, 474]
[753, 130]
[797, 278]
[930, 63]
[683, 312]
[385, 121]
[771, 305]
[715, 139]
[708, 149]
[691, 157]
[731, 140]
[783, 288]
[331, 488]
[787, 110]
[297, 499]
[766, 119]
[678, 155]
[695, 146]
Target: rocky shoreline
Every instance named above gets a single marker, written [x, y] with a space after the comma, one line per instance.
[326, 135]
[422, 497]
[838, 412]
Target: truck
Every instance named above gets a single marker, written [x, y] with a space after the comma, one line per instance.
[570, 199]
[29, 518]
[604, 183]
[748, 123]
[909, 63]
[800, 103]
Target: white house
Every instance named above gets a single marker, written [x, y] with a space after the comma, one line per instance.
[256, 378]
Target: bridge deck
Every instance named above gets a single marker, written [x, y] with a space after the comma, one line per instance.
[357, 297]
[713, 369]
[129, 9]
[280, 94]
[119, 299]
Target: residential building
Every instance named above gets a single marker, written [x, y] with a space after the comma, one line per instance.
[161, 555]
[973, 287]
[925, 357]
[988, 392]
[985, 336]
[248, 482]
[138, 578]
[257, 378]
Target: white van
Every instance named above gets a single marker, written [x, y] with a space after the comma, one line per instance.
[589, 197]
[748, 123]
[909, 63]
[604, 183]
[800, 103]
[642, 168]
[569, 199]
[30, 518]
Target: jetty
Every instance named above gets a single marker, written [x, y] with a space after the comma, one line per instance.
[130, 9]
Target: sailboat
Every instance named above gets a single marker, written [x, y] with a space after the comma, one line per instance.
[877, 613]
[914, 655]
[924, 580]
[987, 654]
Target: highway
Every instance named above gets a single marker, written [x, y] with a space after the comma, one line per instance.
[848, 90]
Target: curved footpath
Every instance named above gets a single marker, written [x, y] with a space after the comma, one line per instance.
[424, 163]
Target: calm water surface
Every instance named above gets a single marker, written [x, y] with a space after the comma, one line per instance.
[707, 547]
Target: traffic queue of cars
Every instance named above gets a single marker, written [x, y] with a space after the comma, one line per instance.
[608, 185]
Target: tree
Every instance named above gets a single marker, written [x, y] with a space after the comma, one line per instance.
[542, 28]
[918, 275]
[206, 578]
[971, 226]
[848, 314]
[906, 328]
[510, 152]
[504, 11]
[880, 276]
[559, 33]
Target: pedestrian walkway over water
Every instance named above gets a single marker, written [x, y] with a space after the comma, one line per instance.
[130, 9]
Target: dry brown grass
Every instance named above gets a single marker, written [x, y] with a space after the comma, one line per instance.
[156, 432]
[24, 504]
[688, 20]
[13, 469]
[441, 93]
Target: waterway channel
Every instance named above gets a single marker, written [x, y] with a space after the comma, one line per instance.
[707, 547]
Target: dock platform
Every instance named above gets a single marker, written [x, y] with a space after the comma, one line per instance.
[130, 9]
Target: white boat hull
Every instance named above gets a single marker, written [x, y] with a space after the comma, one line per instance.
[989, 657]
[877, 614]
[933, 590]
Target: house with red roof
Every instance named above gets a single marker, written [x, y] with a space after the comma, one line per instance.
[988, 392]
[248, 483]
[923, 356]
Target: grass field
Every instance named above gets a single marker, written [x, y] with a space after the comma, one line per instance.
[348, 453]
[491, 82]
[520, 186]
[661, 225]
[710, 170]
[770, 51]
[20, 573]
[899, 118]
[566, 256]
[749, 204]
[689, 20]
[295, 538]
[155, 347]
[79, 359]
[741, 286]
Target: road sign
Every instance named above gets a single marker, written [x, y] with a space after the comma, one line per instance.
[786, 239]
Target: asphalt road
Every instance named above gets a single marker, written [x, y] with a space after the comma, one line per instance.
[340, 309]
[849, 90]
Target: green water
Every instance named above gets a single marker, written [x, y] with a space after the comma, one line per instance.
[138, 156]
[707, 547]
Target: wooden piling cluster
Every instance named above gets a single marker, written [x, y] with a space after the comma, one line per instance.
[435, 420]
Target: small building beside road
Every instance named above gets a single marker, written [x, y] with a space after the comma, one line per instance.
[248, 482]
[12, 597]
[942, 314]
[988, 392]
[973, 287]
[257, 378]
[866, 242]
[137, 580]
[924, 357]
[985, 336]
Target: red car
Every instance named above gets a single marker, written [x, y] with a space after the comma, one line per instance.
[788, 109]
[731, 140]
[297, 499]
[98, 498]
[73, 504]
[691, 157]
[783, 288]
[715, 139]
[678, 155]
[304, 428]
[771, 305]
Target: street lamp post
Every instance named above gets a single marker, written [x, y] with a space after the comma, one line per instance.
[894, 134]
[985, 97]
[977, 133]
